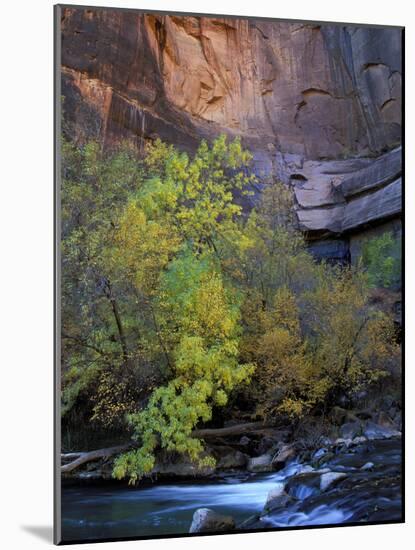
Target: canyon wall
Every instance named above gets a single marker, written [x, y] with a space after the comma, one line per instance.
[318, 105]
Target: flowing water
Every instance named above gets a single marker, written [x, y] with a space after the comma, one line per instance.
[108, 511]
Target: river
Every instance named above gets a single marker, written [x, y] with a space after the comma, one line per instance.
[95, 511]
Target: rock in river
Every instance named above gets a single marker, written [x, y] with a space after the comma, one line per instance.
[304, 485]
[276, 491]
[283, 455]
[206, 520]
[374, 431]
[277, 498]
[367, 467]
[261, 463]
[329, 478]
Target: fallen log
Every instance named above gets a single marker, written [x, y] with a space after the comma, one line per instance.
[237, 429]
[90, 456]
[81, 458]
[67, 456]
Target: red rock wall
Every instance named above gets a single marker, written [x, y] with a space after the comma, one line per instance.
[300, 95]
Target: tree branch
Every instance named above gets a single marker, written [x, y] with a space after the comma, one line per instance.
[114, 306]
[82, 343]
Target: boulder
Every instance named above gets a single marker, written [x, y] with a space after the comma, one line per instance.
[93, 475]
[261, 463]
[340, 441]
[277, 491]
[278, 502]
[181, 470]
[330, 478]
[374, 431]
[283, 456]
[208, 521]
[350, 430]
[323, 459]
[319, 453]
[367, 467]
[303, 485]
[325, 441]
[306, 469]
[277, 498]
[235, 459]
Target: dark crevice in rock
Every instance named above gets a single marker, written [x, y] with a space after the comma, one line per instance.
[309, 92]
[298, 177]
[387, 102]
[367, 66]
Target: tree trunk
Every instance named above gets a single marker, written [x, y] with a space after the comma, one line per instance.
[114, 306]
[237, 429]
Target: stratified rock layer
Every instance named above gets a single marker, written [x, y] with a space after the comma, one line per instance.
[319, 105]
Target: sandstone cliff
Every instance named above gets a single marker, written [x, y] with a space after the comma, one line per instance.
[319, 105]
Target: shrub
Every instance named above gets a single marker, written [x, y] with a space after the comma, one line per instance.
[382, 259]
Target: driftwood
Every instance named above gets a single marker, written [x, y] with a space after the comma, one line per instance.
[84, 457]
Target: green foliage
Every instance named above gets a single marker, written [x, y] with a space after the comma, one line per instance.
[146, 304]
[198, 313]
[99, 318]
[382, 260]
[309, 327]
[174, 299]
[206, 367]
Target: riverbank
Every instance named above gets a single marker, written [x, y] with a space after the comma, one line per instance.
[262, 448]
[343, 469]
[346, 483]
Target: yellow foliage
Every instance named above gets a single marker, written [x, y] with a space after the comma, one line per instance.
[162, 271]
[144, 247]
